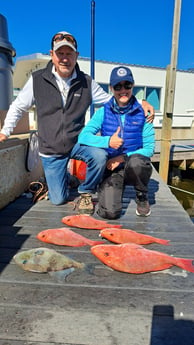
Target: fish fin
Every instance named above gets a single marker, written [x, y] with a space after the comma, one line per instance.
[95, 243]
[165, 242]
[186, 264]
[117, 226]
[61, 275]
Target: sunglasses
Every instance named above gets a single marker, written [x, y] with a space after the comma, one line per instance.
[126, 85]
[68, 38]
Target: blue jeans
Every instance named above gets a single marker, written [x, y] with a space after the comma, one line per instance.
[57, 175]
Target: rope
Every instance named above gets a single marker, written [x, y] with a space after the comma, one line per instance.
[39, 190]
[181, 190]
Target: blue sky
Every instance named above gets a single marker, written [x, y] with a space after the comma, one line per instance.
[135, 32]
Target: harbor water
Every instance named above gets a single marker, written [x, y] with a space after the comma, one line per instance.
[181, 183]
[182, 186]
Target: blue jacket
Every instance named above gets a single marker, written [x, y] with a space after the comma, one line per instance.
[131, 129]
[91, 134]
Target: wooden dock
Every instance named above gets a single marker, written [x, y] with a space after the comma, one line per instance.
[181, 153]
[104, 308]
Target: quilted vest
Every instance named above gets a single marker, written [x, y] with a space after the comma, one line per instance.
[131, 129]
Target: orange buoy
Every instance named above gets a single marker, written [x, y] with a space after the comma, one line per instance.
[78, 169]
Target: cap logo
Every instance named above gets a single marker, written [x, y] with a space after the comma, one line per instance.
[121, 72]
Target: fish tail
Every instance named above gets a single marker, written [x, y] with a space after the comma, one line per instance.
[89, 268]
[107, 225]
[95, 243]
[186, 264]
[161, 241]
[61, 275]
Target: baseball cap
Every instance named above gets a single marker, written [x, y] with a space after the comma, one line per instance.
[119, 74]
[63, 38]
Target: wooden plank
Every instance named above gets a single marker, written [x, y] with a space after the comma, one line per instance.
[176, 248]
[59, 314]
[106, 307]
[173, 279]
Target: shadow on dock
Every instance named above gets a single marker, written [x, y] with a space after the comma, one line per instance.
[11, 242]
[166, 330]
[129, 194]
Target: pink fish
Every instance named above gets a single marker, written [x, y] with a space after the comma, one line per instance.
[87, 222]
[65, 237]
[126, 235]
[133, 258]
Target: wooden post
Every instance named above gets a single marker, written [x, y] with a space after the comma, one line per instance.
[169, 97]
[92, 48]
[165, 134]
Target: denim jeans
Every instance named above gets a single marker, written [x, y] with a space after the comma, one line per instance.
[57, 175]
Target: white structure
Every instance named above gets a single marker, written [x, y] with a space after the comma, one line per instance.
[149, 84]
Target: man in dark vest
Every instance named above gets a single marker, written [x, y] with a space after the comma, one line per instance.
[62, 94]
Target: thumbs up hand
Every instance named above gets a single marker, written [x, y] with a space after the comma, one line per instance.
[115, 141]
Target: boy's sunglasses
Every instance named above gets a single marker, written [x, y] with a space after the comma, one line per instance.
[68, 38]
[127, 86]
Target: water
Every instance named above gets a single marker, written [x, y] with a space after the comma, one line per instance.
[182, 183]
[183, 189]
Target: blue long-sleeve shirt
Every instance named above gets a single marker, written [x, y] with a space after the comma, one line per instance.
[90, 135]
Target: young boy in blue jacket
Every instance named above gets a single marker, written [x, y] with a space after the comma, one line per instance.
[120, 128]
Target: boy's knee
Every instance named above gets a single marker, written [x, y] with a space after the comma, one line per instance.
[101, 158]
[58, 199]
[58, 202]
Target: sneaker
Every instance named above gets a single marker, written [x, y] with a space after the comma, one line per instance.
[143, 206]
[85, 204]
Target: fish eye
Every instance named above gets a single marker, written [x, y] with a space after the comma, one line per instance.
[25, 262]
[111, 234]
[106, 254]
